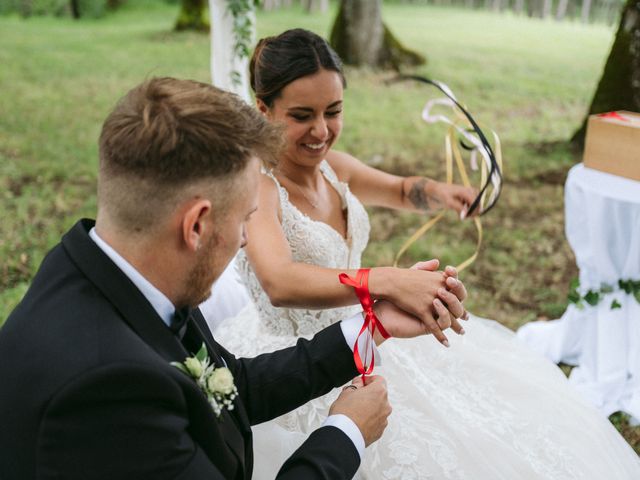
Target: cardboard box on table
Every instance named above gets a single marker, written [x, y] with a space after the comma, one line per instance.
[612, 144]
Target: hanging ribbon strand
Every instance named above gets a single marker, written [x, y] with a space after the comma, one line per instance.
[471, 138]
[371, 323]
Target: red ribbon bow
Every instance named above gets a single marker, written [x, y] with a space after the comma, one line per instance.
[371, 322]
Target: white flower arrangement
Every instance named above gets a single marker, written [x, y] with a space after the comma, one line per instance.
[216, 383]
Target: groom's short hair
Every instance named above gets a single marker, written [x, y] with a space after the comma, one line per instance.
[167, 134]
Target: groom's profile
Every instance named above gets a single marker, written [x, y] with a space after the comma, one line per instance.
[90, 389]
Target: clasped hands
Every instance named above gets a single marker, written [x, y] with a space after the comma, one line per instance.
[418, 301]
[413, 302]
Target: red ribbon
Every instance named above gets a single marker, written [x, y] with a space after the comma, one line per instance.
[371, 322]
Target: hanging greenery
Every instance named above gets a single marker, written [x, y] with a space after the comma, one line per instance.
[241, 10]
[593, 297]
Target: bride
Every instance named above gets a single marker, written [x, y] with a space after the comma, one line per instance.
[485, 408]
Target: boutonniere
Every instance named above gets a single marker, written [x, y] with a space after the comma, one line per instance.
[216, 383]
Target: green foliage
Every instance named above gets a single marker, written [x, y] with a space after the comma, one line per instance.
[594, 297]
[242, 30]
[57, 8]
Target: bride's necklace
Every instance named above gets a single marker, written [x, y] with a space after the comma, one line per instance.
[314, 204]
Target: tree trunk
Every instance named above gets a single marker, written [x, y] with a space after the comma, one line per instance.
[547, 6]
[518, 6]
[269, 5]
[562, 9]
[75, 9]
[193, 16]
[316, 6]
[361, 38]
[114, 4]
[586, 10]
[619, 86]
[496, 5]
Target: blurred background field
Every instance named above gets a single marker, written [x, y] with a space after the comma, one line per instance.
[531, 80]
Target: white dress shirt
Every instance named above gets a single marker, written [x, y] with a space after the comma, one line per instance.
[165, 309]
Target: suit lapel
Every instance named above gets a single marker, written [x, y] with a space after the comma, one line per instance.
[239, 412]
[138, 313]
[125, 297]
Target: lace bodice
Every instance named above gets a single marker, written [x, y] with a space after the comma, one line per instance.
[315, 243]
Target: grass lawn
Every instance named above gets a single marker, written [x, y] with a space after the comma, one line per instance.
[530, 80]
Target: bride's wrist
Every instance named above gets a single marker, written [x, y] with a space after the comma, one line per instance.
[380, 282]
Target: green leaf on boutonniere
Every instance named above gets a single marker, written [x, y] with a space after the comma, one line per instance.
[181, 367]
[202, 353]
[615, 304]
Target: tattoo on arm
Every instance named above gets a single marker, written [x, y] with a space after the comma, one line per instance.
[419, 197]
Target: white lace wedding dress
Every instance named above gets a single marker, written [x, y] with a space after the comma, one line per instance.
[484, 409]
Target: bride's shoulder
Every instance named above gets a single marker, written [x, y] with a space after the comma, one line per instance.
[268, 190]
[343, 164]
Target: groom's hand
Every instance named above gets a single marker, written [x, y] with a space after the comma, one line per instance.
[401, 324]
[367, 405]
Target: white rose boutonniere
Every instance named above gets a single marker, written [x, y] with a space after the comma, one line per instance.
[216, 383]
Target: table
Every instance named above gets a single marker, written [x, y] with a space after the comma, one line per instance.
[602, 225]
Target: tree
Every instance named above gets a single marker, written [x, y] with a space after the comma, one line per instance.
[316, 6]
[193, 16]
[361, 38]
[619, 86]
[562, 9]
[75, 9]
[586, 10]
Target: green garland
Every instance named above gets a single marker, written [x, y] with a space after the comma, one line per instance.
[593, 297]
[242, 29]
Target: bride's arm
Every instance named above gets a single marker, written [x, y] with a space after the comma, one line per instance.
[375, 187]
[300, 285]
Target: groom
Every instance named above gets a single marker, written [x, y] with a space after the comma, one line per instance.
[89, 386]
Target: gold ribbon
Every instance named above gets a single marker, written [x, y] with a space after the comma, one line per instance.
[452, 151]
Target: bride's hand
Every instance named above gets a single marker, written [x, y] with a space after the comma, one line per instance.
[454, 197]
[422, 292]
[454, 286]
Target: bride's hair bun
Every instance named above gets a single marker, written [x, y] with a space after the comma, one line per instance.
[277, 61]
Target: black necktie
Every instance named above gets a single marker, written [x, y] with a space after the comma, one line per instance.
[184, 328]
[179, 321]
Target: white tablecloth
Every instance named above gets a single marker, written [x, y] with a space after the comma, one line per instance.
[603, 228]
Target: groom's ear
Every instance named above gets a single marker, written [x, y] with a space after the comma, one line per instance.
[196, 223]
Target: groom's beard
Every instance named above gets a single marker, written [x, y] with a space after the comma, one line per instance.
[202, 276]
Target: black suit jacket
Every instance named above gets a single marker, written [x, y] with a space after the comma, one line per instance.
[87, 390]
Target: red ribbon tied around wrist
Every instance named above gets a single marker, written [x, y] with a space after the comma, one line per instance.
[371, 322]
